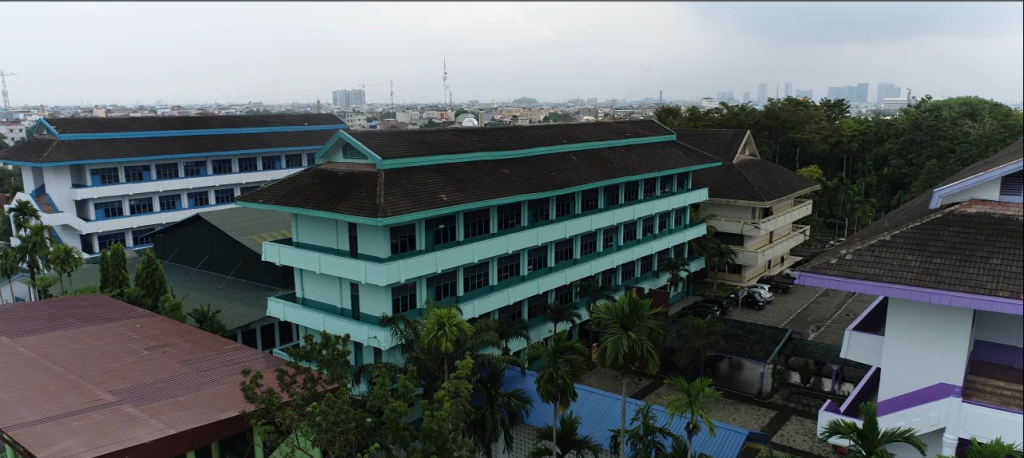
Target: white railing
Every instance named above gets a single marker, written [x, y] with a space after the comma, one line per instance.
[773, 250]
[760, 227]
[142, 187]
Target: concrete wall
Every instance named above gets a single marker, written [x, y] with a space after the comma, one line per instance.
[924, 344]
[933, 440]
[988, 190]
[999, 328]
[732, 211]
[323, 232]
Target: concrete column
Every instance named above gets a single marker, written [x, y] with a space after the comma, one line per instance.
[832, 388]
[760, 381]
[949, 444]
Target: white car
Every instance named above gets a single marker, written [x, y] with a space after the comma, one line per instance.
[762, 290]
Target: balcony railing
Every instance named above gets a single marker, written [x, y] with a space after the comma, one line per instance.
[80, 192]
[773, 250]
[865, 337]
[760, 227]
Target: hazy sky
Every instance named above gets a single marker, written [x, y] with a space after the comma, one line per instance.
[276, 52]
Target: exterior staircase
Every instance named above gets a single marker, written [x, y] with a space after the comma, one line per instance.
[44, 204]
[993, 392]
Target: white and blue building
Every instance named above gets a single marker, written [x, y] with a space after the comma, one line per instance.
[100, 181]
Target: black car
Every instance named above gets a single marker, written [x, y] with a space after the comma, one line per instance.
[747, 299]
[721, 305]
[699, 311]
[777, 283]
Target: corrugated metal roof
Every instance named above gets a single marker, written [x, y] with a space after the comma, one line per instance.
[90, 376]
[600, 410]
[250, 226]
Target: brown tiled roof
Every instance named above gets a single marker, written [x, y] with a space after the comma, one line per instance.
[431, 142]
[46, 149]
[159, 123]
[752, 180]
[721, 143]
[972, 247]
[93, 377]
[344, 189]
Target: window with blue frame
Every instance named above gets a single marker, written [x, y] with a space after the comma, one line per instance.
[629, 232]
[681, 180]
[678, 220]
[563, 251]
[292, 161]
[224, 196]
[222, 166]
[247, 189]
[647, 226]
[564, 205]
[106, 210]
[271, 162]
[108, 175]
[475, 277]
[167, 171]
[199, 199]
[171, 202]
[194, 168]
[133, 173]
[588, 200]
[247, 164]
[611, 195]
[443, 286]
[140, 205]
[142, 236]
[310, 159]
[105, 241]
[666, 184]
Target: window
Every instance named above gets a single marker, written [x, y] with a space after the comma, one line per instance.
[475, 277]
[171, 202]
[247, 164]
[663, 222]
[536, 305]
[353, 240]
[222, 166]
[354, 298]
[106, 176]
[648, 226]
[267, 342]
[357, 354]
[166, 171]
[734, 269]
[608, 237]
[443, 229]
[108, 209]
[588, 200]
[271, 162]
[133, 173]
[608, 277]
[563, 251]
[628, 271]
[511, 312]
[509, 216]
[564, 204]
[666, 184]
[679, 251]
[403, 298]
[650, 187]
[378, 355]
[646, 264]
[729, 239]
[476, 223]
[142, 236]
[1011, 187]
[292, 161]
[443, 286]
[350, 152]
[249, 337]
[588, 243]
[310, 159]
[611, 195]
[629, 232]
[508, 267]
[199, 199]
[194, 168]
[632, 191]
[536, 259]
[403, 239]
[285, 332]
[140, 206]
[247, 189]
[224, 196]
[563, 295]
[108, 240]
[678, 221]
[539, 210]
[681, 180]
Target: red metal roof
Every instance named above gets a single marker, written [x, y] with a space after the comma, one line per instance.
[91, 377]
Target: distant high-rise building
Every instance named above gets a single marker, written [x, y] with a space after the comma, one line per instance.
[862, 93]
[852, 94]
[762, 93]
[356, 97]
[591, 100]
[725, 97]
[809, 93]
[746, 97]
[887, 91]
[340, 98]
[789, 89]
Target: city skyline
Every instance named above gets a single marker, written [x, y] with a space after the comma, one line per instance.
[271, 60]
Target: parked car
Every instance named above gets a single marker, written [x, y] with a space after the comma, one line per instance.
[749, 298]
[776, 283]
[697, 311]
[721, 305]
[764, 291]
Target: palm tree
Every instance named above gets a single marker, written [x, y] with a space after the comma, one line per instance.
[868, 440]
[700, 339]
[692, 400]
[704, 244]
[509, 330]
[645, 439]
[562, 363]
[442, 331]
[497, 411]
[64, 259]
[719, 258]
[34, 247]
[681, 449]
[561, 313]
[677, 270]
[630, 336]
[568, 443]
[594, 291]
[9, 267]
[771, 453]
[23, 213]
[995, 448]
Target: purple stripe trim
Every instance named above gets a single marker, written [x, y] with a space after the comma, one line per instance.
[871, 308]
[936, 392]
[914, 293]
[997, 353]
[871, 380]
[987, 406]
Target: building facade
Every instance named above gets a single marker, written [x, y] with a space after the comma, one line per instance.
[98, 182]
[753, 204]
[339, 98]
[808, 93]
[497, 220]
[13, 132]
[945, 336]
[887, 91]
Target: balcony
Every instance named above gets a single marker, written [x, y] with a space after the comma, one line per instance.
[336, 320]
[175, 184]
[761, 227]
[865, 337]
[780, 247]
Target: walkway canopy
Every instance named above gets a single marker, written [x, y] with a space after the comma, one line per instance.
[820, 352]
[744, 340]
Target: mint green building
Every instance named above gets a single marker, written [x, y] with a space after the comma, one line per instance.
[498, 220]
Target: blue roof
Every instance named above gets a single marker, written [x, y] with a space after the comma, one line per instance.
[599, 412]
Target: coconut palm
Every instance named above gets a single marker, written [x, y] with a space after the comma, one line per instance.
[561, 313]
[64, 259]
[443, 330]
[868, 440]
[497, 411]
[717, 260]
[509, 330]
[594, 291]
[34, 247]
[645, 439]
[568, 443]
[693, 400]
[562, 363]
[677, 269]
[9, 267]
[995, 448]
[681, 449]
[24, 213]
[700, 339]
[630, 336]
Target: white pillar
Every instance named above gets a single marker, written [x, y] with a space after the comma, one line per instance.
[949, 444]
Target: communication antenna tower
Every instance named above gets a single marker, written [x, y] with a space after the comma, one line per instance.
[3, 83]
